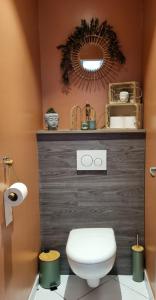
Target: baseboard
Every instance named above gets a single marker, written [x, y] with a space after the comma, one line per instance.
[34, 288]
[148, 286]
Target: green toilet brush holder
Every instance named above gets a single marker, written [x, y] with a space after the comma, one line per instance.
[138, 262]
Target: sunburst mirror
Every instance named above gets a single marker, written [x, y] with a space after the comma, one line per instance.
[91, 55]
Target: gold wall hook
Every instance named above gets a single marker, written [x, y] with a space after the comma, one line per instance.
[8, 161]
[153, 171]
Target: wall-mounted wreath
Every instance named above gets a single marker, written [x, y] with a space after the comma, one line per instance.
[99, 35]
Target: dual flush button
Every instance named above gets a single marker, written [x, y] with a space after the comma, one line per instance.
[91, 160]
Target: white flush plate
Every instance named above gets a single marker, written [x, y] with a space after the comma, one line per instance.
[91, 160]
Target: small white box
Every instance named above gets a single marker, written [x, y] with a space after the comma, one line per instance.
[91, 160]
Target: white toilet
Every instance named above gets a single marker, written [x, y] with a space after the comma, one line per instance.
[91, 253]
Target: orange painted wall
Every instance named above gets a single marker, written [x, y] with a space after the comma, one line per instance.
[57, 19]
[20, 117]
[21, 110]
[150, 125]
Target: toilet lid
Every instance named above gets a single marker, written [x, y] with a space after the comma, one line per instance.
[91, 245]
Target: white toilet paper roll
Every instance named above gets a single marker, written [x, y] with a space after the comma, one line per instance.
[116, 122]
[130, 122]
[15, 194]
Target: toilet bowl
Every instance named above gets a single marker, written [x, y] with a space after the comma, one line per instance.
[91, 253]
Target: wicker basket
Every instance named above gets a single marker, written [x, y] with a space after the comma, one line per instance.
[132, 87]
[124, 110]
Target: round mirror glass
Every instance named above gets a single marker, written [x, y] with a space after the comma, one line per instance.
[91, 57]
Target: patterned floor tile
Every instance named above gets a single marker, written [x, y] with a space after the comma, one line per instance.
[112, 290]
[73, 287]
[45, 294]
[127, 280]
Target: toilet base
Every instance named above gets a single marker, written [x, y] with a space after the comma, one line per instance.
[93, 283]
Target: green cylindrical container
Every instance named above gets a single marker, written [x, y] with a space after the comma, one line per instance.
[84, 125]
[138, 263]
[49, 269]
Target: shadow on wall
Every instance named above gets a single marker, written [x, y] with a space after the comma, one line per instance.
[149, 75]
[20, 96]
[150, 33]
[7, 250]
[29, 31]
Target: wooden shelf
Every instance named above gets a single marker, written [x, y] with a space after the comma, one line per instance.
[90, 135]
[97, 131]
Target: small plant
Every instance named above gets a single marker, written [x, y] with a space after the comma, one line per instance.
[50, 111]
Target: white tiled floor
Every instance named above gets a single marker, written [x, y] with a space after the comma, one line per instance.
[120, 287]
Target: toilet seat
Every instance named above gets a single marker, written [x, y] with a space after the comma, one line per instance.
[91, 245]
